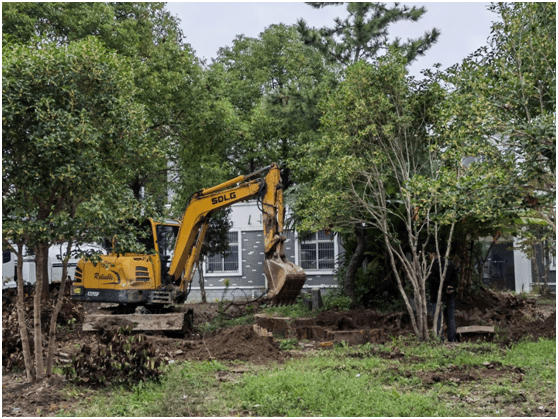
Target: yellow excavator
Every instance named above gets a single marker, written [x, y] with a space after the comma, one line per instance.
[163, 275]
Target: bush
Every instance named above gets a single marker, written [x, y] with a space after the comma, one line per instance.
[120, 359]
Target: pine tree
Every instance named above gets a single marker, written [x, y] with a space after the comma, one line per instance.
[364, 33]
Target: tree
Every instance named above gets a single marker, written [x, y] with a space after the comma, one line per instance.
[497, 124]
[70, 130]
[167, 75]
[273, 83]
[375, 167]
[363, 35]
[502, 113]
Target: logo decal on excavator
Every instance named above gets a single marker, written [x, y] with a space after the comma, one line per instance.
[108, 277]
[223, 198]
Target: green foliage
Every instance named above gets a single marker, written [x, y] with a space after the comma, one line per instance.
[500, 113]
[274, 83]
[336, 300]
[288, 344]
[165, 73]
[293, 311]
[363, 35]
[70, 128]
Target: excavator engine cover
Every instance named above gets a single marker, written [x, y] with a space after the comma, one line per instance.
[284, 279]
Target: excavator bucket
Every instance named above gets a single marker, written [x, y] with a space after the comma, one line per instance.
[284, 280]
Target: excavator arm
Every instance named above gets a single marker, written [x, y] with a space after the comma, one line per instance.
[284, 279]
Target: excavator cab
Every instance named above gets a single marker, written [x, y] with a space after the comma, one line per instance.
[166, 239]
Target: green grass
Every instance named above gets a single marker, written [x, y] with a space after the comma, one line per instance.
[293, 311]
[345, 381]
[334, 386]
[221, 322]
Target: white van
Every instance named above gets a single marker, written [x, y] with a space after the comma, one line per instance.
[56, 254]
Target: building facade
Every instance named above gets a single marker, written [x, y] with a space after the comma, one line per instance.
[242, 267]
[508, 268]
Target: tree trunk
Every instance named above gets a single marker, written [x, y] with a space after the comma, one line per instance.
[545, 292]
[27, 359]
[45, 294]
[355, 263]
[40, 259]
[466, 275]
[202, 284]
[57, 307]
[422, 308]
[534, 262]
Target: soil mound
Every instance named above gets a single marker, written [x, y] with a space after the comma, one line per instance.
[516, 316]
[537, 329]
[386, 325]
[240, 343]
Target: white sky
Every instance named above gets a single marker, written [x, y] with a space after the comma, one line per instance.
[211, 25]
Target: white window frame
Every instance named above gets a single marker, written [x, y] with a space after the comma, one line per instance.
[318, 271]
[552, 263]
[220, 274]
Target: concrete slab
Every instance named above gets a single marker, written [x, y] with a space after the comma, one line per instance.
[306, 332]
[273, 324]
[474, 329]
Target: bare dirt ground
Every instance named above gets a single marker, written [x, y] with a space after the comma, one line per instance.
[515, 317]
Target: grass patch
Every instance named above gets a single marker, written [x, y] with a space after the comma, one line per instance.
[346, 381]
[186, 389]
[292, 311]
[220, 322]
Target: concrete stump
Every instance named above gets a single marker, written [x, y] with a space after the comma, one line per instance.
[317, 302]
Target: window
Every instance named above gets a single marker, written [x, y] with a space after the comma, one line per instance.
[166, 238]
[317, 252]
[228, 262]
[6, 256]
[552, 262]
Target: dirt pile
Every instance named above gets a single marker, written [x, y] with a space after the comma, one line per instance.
[385, 325]
[516, 316]
[40, 398]
[537, 328]
[240, 343]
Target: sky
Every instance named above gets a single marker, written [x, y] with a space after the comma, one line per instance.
[208, 26]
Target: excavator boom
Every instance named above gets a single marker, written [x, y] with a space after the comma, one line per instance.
[284, 279]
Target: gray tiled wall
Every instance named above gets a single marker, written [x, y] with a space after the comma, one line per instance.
[251, 283]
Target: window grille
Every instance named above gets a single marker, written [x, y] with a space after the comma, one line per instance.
[227, 262]
[317, 252]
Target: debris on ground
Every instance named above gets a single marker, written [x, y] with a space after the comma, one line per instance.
[512, 317]
[71, 314]
[120, 358]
